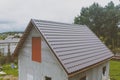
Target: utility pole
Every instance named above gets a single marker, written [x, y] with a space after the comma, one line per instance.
[8, 55]
[8, 49]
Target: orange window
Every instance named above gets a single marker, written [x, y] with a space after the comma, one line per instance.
[36, 49]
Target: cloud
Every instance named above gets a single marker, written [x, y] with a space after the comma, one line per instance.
[11, 27]
[6, 22]
[15, 14]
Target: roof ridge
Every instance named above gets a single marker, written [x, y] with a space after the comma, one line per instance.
[38, 20]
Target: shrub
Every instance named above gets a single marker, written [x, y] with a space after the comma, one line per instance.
[2, 60]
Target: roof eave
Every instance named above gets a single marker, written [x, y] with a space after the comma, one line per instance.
[87, 68]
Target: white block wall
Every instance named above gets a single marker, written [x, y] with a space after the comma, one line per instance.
[48, 67]
[94, 74]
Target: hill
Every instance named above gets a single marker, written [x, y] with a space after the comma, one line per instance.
[6, 34]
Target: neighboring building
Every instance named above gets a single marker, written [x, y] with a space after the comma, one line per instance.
[59, 51]
[9, 37]
[19, 34]
[8, 46]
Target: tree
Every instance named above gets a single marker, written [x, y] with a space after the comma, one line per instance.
[103, 22]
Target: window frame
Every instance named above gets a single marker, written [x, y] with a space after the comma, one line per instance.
[104, 70]
[48, 78]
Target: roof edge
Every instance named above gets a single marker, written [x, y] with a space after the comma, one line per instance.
[89, 67]
[37, 20]
[22, 39]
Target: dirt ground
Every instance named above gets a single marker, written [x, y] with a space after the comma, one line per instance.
[9, 77]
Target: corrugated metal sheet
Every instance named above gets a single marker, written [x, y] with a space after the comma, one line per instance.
[76, 46]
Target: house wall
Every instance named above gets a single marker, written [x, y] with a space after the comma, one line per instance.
[31, 70]
[94, 74]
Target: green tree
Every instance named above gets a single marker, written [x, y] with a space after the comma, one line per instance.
[103, 21]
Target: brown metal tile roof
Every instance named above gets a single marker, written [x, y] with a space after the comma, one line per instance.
[75, 46]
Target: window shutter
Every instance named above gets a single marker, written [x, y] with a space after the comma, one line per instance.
[36, 49]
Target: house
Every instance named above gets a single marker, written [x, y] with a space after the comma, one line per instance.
[8, 46]
[59, 51]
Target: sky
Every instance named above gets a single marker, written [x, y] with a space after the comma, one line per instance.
[16, 14]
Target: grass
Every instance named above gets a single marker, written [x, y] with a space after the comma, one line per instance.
[9, 71]
[115, 70]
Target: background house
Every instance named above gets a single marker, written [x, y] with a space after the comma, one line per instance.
[59, 51]
[9, 41]
[8, 46]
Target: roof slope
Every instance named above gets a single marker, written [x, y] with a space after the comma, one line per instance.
[76, 46]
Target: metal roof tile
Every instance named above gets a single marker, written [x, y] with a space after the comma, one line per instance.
[76, 46]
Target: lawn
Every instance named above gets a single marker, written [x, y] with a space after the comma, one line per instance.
[9, 71]
[115, 70]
